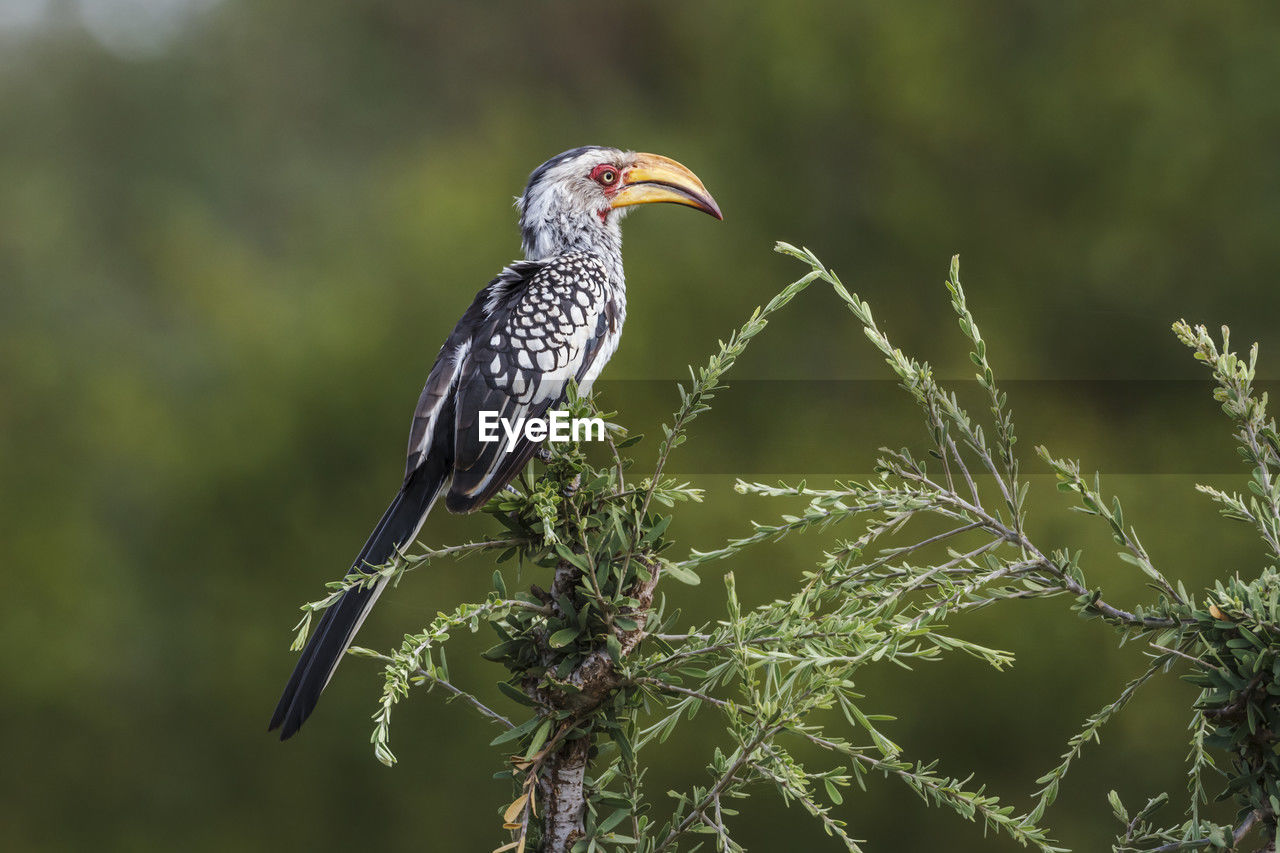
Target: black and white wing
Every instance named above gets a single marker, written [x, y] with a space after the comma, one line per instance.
[432, 431]
[560, 323]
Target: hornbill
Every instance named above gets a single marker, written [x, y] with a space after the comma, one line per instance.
[550, 318]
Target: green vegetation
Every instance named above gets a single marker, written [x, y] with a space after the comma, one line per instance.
[607, 676]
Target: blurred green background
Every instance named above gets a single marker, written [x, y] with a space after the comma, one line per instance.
[234, 234]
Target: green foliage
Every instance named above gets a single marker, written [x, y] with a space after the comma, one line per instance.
[1231, 638]
[600, 677]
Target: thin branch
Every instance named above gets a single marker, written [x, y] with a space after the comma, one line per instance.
[1237, 836]
[744, 754]
[1106, 610]
[1179, 653]
[720, 647]
[973, 489]
[893, 553]
[470, 698]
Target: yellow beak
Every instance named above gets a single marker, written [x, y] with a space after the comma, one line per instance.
[654, 178]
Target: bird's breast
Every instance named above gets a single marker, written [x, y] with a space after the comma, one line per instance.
[562, 324]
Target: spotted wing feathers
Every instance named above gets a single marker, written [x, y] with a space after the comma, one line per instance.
[518, 366]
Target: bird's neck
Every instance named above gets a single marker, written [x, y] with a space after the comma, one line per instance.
[559, 233]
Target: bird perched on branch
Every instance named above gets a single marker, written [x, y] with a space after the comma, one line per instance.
[553, 317]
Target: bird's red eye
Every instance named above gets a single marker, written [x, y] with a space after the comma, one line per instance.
[605, 175]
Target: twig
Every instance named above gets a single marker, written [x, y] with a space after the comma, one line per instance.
[471, 699]
[1236, 837]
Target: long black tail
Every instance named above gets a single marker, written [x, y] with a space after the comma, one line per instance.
[337, 627]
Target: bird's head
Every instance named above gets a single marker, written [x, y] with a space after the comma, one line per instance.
[576, 199]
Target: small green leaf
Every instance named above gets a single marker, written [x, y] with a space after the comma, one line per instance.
[677, 572]
[563, 637]
[539, 738]
[517, 732]
[514, 694]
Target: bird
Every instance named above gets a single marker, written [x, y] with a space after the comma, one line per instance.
[554, 316]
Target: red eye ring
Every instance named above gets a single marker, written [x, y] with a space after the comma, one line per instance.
[605, 175]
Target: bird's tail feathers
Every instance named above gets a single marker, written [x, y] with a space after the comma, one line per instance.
[337, 628]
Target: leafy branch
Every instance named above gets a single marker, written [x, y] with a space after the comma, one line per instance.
[1231, 642]
[596, 675]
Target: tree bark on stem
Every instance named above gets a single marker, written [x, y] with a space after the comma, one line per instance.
[564, 803]
[560, 785]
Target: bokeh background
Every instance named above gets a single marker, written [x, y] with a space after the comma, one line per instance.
[233, 235]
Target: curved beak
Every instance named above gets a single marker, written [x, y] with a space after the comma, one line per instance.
[654, 178]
